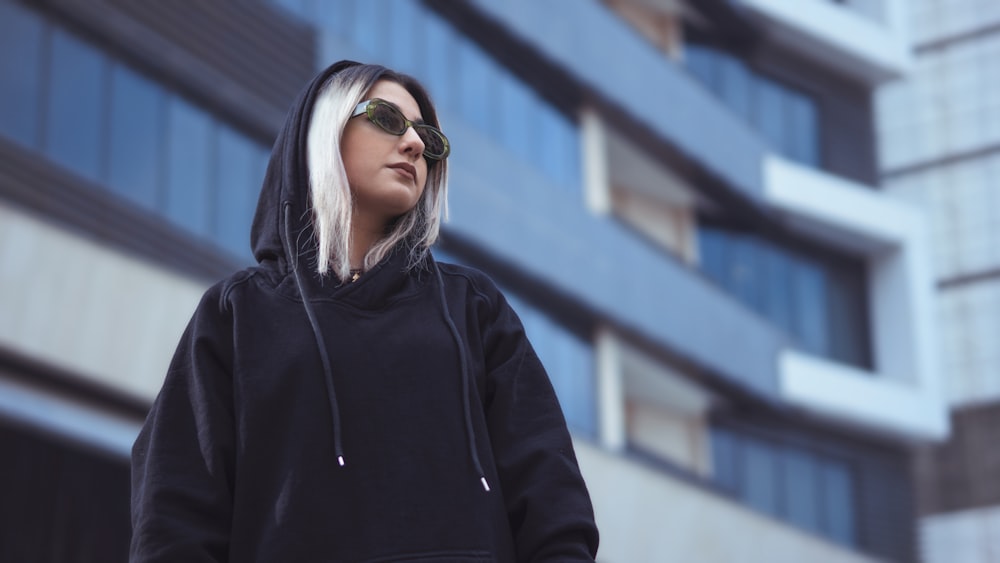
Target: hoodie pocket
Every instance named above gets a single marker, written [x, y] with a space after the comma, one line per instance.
[448, 556]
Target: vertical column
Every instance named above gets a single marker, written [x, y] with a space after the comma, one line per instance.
[596, 180]
[611, 431]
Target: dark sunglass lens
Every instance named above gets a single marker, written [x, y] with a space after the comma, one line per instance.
[388, 118]
[433, 143]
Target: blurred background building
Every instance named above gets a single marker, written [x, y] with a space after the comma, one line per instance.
[940, 145]
[754, 242]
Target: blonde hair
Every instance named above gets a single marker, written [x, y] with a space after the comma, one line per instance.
[330, 192]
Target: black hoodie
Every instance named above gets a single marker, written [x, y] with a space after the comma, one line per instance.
[363, 422]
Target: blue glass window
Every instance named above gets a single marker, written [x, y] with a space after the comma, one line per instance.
[76, 105]
[803, 134]
[838, 503]
[367, 29]
[736, 86]
[20, 76]
[477, 83]
[124, 132]
[558, 152]
[786, 119]
[759, 477]
[136, 137]
[769, 113]
[333, 16]
[800, 490]
[237, 189]
[819, 303]
[517, 109]
[189, 169]
[811, 307]
[809, 489]
[403, 24]
[440, 47]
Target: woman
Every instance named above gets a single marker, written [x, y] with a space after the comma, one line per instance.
[351, 399]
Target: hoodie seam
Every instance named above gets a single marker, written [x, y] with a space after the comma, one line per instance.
[474, 284]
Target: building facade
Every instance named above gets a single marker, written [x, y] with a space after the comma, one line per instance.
[939, 132]
[678, 197]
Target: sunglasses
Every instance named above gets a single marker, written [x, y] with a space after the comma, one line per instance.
[391, 120]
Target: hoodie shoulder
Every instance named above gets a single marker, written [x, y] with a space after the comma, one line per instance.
[474, 280]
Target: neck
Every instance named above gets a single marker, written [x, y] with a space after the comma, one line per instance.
[364, 235]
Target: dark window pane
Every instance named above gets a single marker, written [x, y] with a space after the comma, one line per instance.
[801, 490]
[712, 254]
[769, 114]
[517, 112]
[725, 460]
[136, 136]
[20, 76]
[190, 154]
[558, 152]
[734, 86]
[803, 130]
[777, 293]
[759, 477]
[811, 321]
[703, 64]
[744, 272]
[75, 117]
[838, 503]
[238, 165]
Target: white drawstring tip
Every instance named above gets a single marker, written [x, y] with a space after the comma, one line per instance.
[485, 484]
[340, 460]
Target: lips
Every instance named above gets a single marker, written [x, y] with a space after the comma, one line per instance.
[406, 167]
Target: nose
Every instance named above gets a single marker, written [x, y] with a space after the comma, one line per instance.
[410, 142]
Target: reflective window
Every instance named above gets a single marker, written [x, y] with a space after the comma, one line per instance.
[404, 47]
[820, 303]
[136, 137]
[366, 29]
[809, 489]
[126, 133]
[20, 73]
[238, 163]
[478, 78]
[558, 149]
[189, 169]
[516, 105]
[76, 105]
[786, 118]
[440, 45]
[461, 77]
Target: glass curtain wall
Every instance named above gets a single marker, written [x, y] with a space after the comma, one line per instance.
[120, 131]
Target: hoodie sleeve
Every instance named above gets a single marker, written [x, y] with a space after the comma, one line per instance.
[182, 461]
[548, 505]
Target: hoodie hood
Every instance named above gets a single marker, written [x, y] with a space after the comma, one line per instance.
[286, 181]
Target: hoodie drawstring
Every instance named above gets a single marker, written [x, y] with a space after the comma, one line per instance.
[293, 258]
[469, 430]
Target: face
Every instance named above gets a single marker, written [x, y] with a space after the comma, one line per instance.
[387, 173]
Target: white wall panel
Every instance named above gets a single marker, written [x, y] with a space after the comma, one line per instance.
[75, 304]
